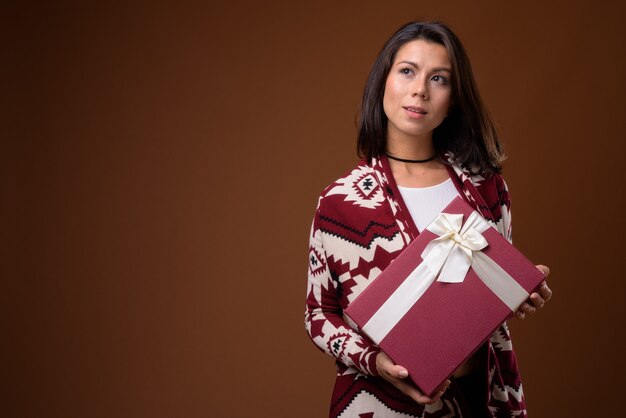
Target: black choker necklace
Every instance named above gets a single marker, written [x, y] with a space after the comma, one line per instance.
[411, 161]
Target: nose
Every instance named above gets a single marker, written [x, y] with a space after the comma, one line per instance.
[420, 89]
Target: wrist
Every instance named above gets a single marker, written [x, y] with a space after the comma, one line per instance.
[375, 358]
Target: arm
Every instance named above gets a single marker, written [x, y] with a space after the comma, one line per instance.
[327, 328]
[324, 315]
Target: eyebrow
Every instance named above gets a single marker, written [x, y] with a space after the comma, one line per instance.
[436, 69]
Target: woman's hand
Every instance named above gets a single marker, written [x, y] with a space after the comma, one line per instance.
[537, 299]
[395, 374]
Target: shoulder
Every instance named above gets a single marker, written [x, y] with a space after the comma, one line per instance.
[350, 176]
[491, 187]
[494, 188]
[354, 219]
[495, 191]
[357, 188]
[354, 208]
[495, 194]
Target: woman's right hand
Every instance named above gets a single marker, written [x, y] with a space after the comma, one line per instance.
[396, 374]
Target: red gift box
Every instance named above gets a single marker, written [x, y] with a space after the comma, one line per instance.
[444, 295]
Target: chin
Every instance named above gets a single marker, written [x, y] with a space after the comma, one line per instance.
[418, 132]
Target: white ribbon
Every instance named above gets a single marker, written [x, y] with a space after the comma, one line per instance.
[447, 258]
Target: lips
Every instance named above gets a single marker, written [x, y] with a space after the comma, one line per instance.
[416, 109]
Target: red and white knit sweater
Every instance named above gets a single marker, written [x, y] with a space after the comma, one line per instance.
[361, 224]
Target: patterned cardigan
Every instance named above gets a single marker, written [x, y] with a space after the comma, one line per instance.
[361, 224]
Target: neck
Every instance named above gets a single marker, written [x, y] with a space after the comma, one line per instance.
[411, 147]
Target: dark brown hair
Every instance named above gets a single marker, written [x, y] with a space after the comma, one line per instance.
[468, 132]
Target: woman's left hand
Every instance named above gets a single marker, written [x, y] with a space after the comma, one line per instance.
[537, 299]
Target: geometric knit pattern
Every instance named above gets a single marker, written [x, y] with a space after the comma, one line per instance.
[361, 224]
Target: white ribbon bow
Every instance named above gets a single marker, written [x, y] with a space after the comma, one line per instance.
[450, 255]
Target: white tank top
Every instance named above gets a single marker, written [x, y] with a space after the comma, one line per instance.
[425, 203]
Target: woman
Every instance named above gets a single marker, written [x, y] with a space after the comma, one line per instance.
[425, 138]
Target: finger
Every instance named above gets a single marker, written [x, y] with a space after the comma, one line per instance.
[435, 397]
[440, 391]
[537, 300]
[426, 400]
[544, 269]
[386, 366]
[527, 309]
[412, 392]
[443, 386]
[396, 371]
[545, 291]
[520, 314]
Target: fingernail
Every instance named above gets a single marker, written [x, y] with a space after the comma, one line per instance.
[403, 373]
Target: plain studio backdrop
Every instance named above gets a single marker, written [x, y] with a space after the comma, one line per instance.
[160, 168]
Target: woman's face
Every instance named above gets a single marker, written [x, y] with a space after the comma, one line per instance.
[418, 91]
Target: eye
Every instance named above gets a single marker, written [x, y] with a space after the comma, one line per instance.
[439, 79]
[406, 71]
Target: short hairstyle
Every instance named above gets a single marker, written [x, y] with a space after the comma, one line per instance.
[468, 132]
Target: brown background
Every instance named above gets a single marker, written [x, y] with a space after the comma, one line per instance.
[161, 164]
